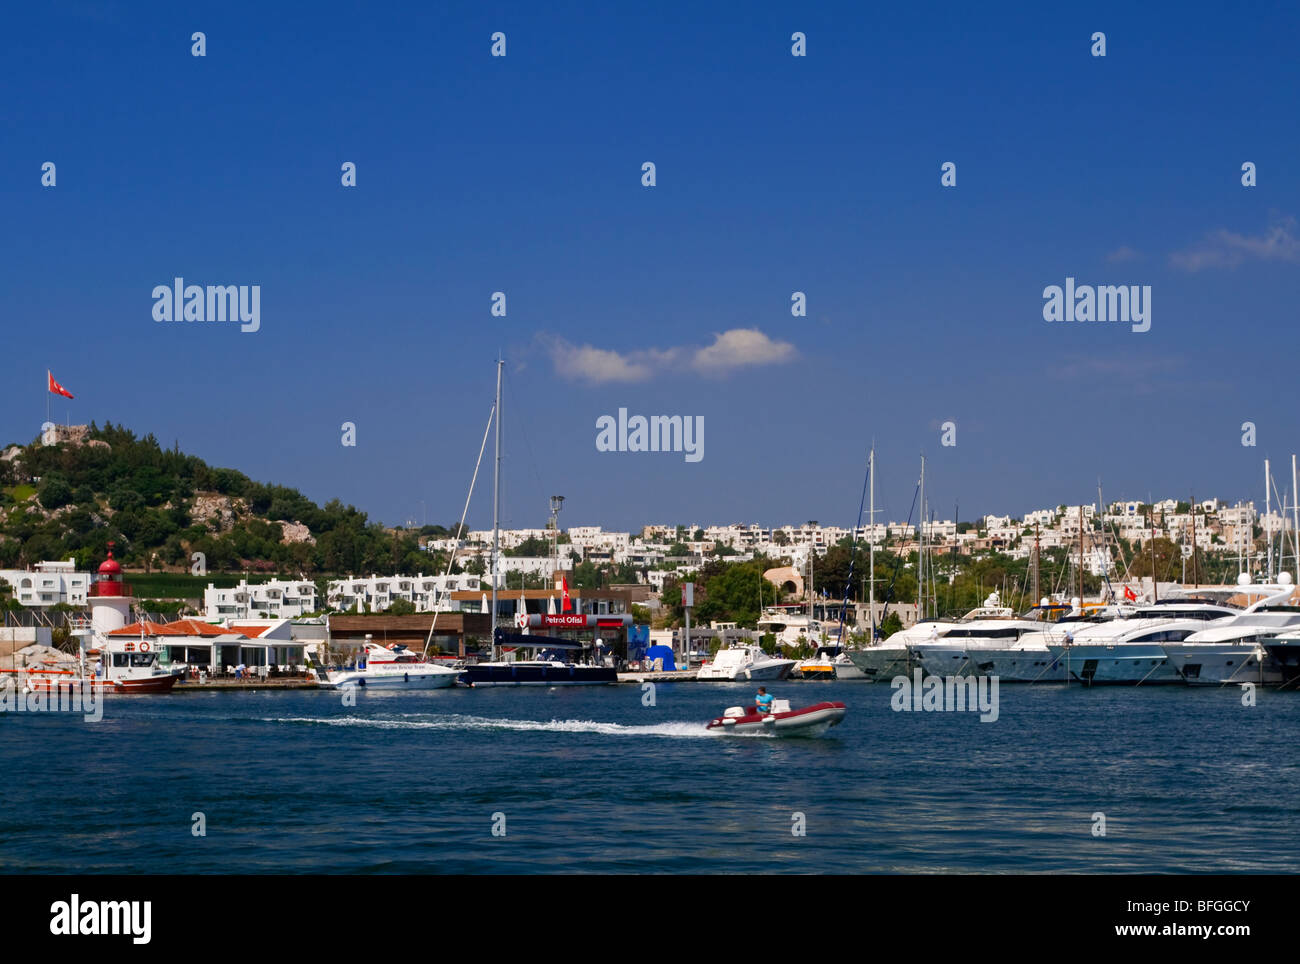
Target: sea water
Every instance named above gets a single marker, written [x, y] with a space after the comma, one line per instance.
[1152, 779]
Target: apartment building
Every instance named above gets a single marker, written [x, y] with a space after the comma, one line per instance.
[279, 598]
[48, 584]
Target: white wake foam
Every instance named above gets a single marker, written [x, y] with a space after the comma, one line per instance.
[462, 722]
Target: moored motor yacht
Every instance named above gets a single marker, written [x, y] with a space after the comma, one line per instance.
[745, 663]
[550, 668]
[820, 666]
[1231, 651]
[391, 667]
[780, 721]
[1015, 651]
[896, 655]
[1131, 650]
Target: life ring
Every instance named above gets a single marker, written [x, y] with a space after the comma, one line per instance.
[144, 647]
[130, 647]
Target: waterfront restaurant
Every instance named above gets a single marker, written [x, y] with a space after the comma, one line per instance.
[194, 645]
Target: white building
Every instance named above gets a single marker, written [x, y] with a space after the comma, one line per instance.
[49, 584]
[377, 593]
[279, 598]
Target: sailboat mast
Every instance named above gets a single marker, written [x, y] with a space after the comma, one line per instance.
[871, 546]
[496, 511]
[1036, 596]
[1295, 513]
[1081, 558]
[1268, 511]
[920, 553]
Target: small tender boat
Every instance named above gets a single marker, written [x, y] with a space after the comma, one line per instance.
[811, 720]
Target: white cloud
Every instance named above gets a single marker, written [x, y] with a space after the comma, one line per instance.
[1227, 249]
[1124, 253]
[730, 350]
[740, 348]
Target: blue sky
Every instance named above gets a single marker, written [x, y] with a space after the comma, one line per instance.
[775, 174]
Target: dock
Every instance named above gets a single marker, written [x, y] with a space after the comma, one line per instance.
[660, 676]
[245, 686]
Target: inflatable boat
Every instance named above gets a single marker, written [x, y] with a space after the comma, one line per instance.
[811, 720]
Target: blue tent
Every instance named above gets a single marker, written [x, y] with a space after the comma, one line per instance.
[661, 652]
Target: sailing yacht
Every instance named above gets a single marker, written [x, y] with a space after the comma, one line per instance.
[550, 668]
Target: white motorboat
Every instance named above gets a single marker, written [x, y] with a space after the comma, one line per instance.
[1131, 650]
[894, 656]
[391, 667]
[1232, 651]
[745, 663]
[1011, 649]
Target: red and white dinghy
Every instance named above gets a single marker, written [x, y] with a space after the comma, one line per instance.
[811, 720]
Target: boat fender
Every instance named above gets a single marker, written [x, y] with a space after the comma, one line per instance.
[728, 722]
[769, 719]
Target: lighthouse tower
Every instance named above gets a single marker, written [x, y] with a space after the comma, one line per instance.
[109, 598]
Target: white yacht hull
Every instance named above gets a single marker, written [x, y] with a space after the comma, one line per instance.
[384, 679]
[940, 660]
[1206, 664]
[1117, 663]
[846, 669]
[882, 662]
[1021, 666]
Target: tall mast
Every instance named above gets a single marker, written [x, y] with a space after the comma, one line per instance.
[496, 510]
[871, 545]
[920, 552]
[1155, 593]
[1295, 513]
[1081, 556]
[1034, 601]
[1268, 510]
[1195, 558]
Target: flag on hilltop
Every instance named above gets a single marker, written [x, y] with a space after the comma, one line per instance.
[56, 388]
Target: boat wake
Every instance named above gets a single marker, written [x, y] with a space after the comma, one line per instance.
[463, 722]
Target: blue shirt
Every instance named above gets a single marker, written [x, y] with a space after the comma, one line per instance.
[764, 702]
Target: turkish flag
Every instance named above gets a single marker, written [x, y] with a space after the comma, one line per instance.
[564, 605]
[56, 388]
[1130, 595]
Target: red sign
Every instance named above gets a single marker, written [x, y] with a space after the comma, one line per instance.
[565, 621]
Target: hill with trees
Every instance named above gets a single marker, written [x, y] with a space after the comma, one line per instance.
[160, 506]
